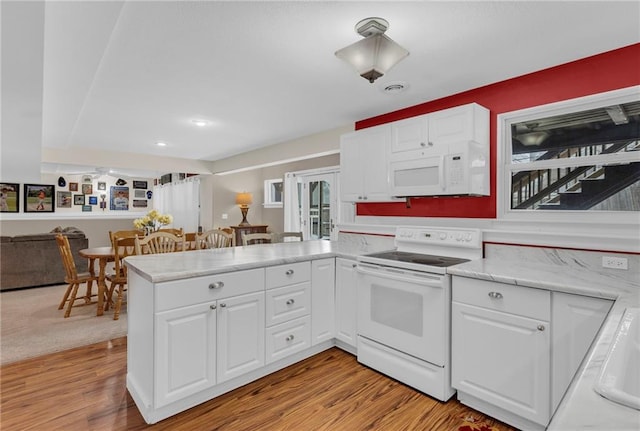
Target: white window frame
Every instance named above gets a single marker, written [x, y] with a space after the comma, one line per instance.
[505, 167]
[269, 202]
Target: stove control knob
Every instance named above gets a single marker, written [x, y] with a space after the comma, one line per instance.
[443, 236]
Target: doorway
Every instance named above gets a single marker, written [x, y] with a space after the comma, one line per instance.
[319, 206]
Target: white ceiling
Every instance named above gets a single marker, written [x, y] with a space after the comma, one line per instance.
[120, 76]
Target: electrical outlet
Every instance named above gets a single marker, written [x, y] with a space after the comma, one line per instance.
[225, 216]
[614, 262]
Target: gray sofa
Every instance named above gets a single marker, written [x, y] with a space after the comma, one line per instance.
[34, 260]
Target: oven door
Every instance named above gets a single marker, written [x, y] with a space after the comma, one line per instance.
[405, 310]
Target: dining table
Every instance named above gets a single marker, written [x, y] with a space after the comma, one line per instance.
[103, 255]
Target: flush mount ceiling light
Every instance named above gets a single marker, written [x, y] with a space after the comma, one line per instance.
[161, 144]
[374, 55]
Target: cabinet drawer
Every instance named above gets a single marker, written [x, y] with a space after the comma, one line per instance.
[287, 303]
[284, 275]
[179, 293]
[288, 338]
[523, 301]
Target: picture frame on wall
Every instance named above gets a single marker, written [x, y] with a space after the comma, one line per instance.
[119, 198]
[73, 187]
[9, 197]
[87, 189]
[93, 200]
[102, 185]
[39, 198]
[139, 194]
[140, 185]
[87, 208]
[78, 199]
[139, 203]
[63, 200]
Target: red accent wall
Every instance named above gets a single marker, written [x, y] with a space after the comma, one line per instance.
[611, 70]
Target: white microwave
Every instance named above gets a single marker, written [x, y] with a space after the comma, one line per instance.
[453, 170]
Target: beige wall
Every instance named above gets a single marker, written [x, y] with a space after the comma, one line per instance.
[221, 190]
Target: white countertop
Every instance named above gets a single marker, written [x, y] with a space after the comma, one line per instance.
[581, 408]
[175, 266]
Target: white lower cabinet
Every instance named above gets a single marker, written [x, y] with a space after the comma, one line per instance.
[240, 335]
[501, 347]
[202, 345]
[322, 300]
[346, 302]
[185, 352]
[515, 349]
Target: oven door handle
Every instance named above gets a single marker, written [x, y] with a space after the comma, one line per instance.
[399, 274]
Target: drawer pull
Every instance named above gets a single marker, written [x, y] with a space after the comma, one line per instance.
[290, 302]
[212, 306]
[223, 305]
[495, 295]
[289, 338]
[540, 327]
[289, 272]
[216, 285]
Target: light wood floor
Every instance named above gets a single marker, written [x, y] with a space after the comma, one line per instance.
[84, 389]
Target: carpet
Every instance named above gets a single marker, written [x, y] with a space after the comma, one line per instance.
[31, 324]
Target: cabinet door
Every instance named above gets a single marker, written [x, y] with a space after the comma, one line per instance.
[351, 168]
[452, 125]
[240, 335]
[363, 165]
[576, 321]
[322, 300]
[409, 134]
[502, 359]
[185, 352]
[346, 314]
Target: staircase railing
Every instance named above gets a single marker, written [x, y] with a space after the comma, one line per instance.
[530, 189]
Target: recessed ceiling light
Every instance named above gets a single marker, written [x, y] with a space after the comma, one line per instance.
[394, 87]
[200, 123]
[161, 144]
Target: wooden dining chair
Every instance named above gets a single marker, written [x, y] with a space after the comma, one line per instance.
[160, 242]
[176, 232]
[256, 238]
[214, 238]
[123, 246]
[73, 277]
[288, 236]
[190, 239]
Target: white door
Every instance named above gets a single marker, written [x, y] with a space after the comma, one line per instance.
[185, 352]
[503, 359]
[319, 206]
[241, 324]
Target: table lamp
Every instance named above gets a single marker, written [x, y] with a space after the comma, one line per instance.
[243, 200]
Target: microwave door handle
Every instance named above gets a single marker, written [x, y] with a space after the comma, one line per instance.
[443, 186]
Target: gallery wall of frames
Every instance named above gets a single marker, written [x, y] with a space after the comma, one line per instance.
[77, 194]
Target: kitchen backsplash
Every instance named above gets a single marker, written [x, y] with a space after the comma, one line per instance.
[591, 260]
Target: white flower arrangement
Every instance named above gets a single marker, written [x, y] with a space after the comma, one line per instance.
[153, 221]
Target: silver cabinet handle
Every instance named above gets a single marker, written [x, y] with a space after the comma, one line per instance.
[290, 302]
[540, 327]
[216, 285]
[355, 265]
[223, 305]
[289, 272]
[422, 144]
[430, 144]
[289, 338]
[213, 306]
[495, 295]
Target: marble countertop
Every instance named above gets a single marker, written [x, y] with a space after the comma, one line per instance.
[175, 266]
[581, 407]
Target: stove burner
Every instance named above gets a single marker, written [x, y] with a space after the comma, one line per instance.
[418, 258]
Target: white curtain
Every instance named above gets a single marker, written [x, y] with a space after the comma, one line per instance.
[181, 199]
[291, 203]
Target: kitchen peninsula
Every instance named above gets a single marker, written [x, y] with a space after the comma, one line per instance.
[202, 323]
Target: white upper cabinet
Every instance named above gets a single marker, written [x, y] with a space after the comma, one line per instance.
[363, 165]
[460, 124]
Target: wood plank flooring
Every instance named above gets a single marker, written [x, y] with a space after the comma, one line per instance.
[84, 389]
